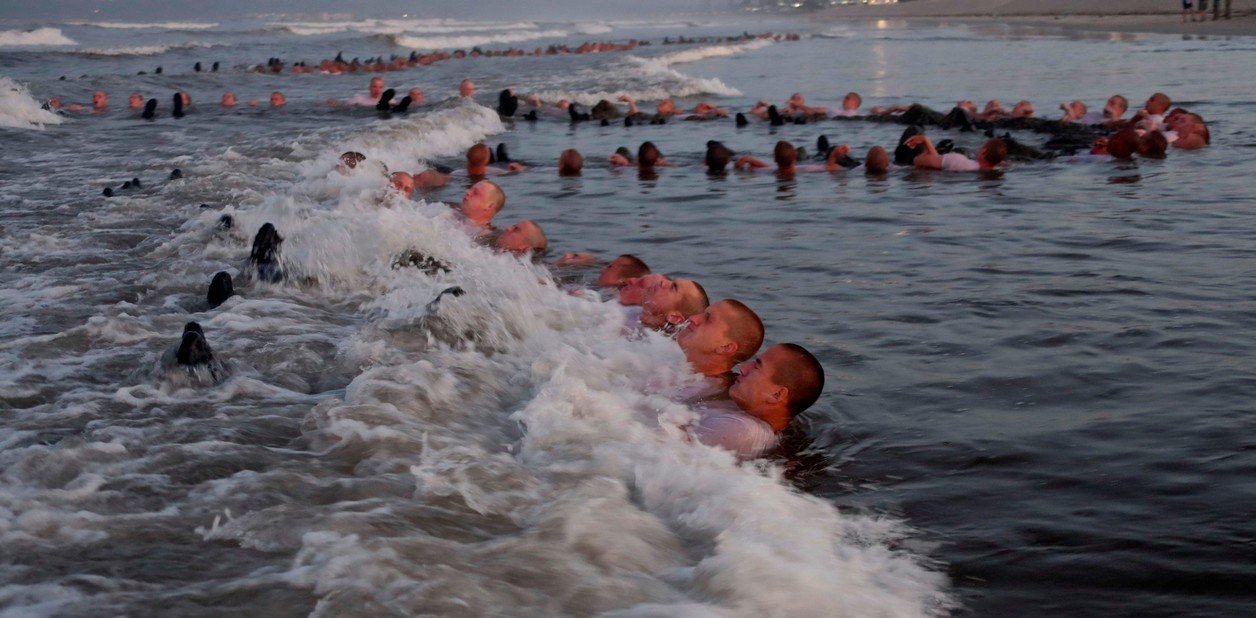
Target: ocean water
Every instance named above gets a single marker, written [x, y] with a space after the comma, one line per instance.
[1038, 397]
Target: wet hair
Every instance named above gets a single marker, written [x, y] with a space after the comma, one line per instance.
[534, 236]
[1125, 103]
[693, 305]
[499, 199]
[803, 376]
[1161, 100]
[877, 161]
[478, 155]
[570, 162]
[633, 266]
[626, 154]
[785, 154]
[351, 159]
[746, 329]
[648, 154]
[1153, 145]
[1123, 145]
[717, 156]
[994, 151]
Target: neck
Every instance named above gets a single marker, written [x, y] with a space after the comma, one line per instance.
[711, 366]
[777, 418]
[477, 170]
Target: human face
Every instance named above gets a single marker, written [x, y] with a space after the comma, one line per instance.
[229, 99]
[187, 100]
[613, 274]
[1113, 110]
[416, 96]
[1023, 109]
[136, 101]
[518, 238]
[277, 99]
[466, 88]
[404, 183]
[376, 87]
[850, 102]
[661, 303]
[99, 100]
[707, 334]
[754, 388]
[635, 288]
[478, 203]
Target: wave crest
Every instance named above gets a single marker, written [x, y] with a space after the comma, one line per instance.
[472, 40]
[33, 38]
[19, 110]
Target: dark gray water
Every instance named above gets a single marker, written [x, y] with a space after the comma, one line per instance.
[1037, 398]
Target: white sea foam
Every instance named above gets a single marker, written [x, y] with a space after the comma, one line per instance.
[537, 426]
[507, 453]
[398, 26]
[18, 109]
[702, 53]
[34, 38]
[472, 40]
[652, 78]
[138, 50]
[158, 25]
[592, 28]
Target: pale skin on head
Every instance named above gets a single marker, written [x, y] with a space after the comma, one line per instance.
[376, 87]
[521, 238]
[708, 343]
[136, 101]
[851, 101]
[402, 182]
[633, 290]
[100, 100]
[482, 202]
[229, 99]
[757, 394]
[662, 304]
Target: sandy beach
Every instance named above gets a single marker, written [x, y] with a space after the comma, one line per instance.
[1151, 16]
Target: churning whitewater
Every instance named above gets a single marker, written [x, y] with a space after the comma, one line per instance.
[505, 451]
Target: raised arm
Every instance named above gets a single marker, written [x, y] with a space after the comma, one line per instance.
[929, 159]
[632, 105]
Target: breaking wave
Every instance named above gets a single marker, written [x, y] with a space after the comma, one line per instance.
[139, 50]
[472, 40]
[33, 38]
[19, 110]
[160, 25]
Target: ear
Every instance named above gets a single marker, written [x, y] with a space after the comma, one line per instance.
[675, 318]
[728, 349]
[779, 395]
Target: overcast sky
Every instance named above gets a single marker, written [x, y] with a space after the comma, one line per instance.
[157, 10]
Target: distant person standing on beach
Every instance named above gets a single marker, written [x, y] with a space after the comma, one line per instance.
[1203, 8]
[1186, 9]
